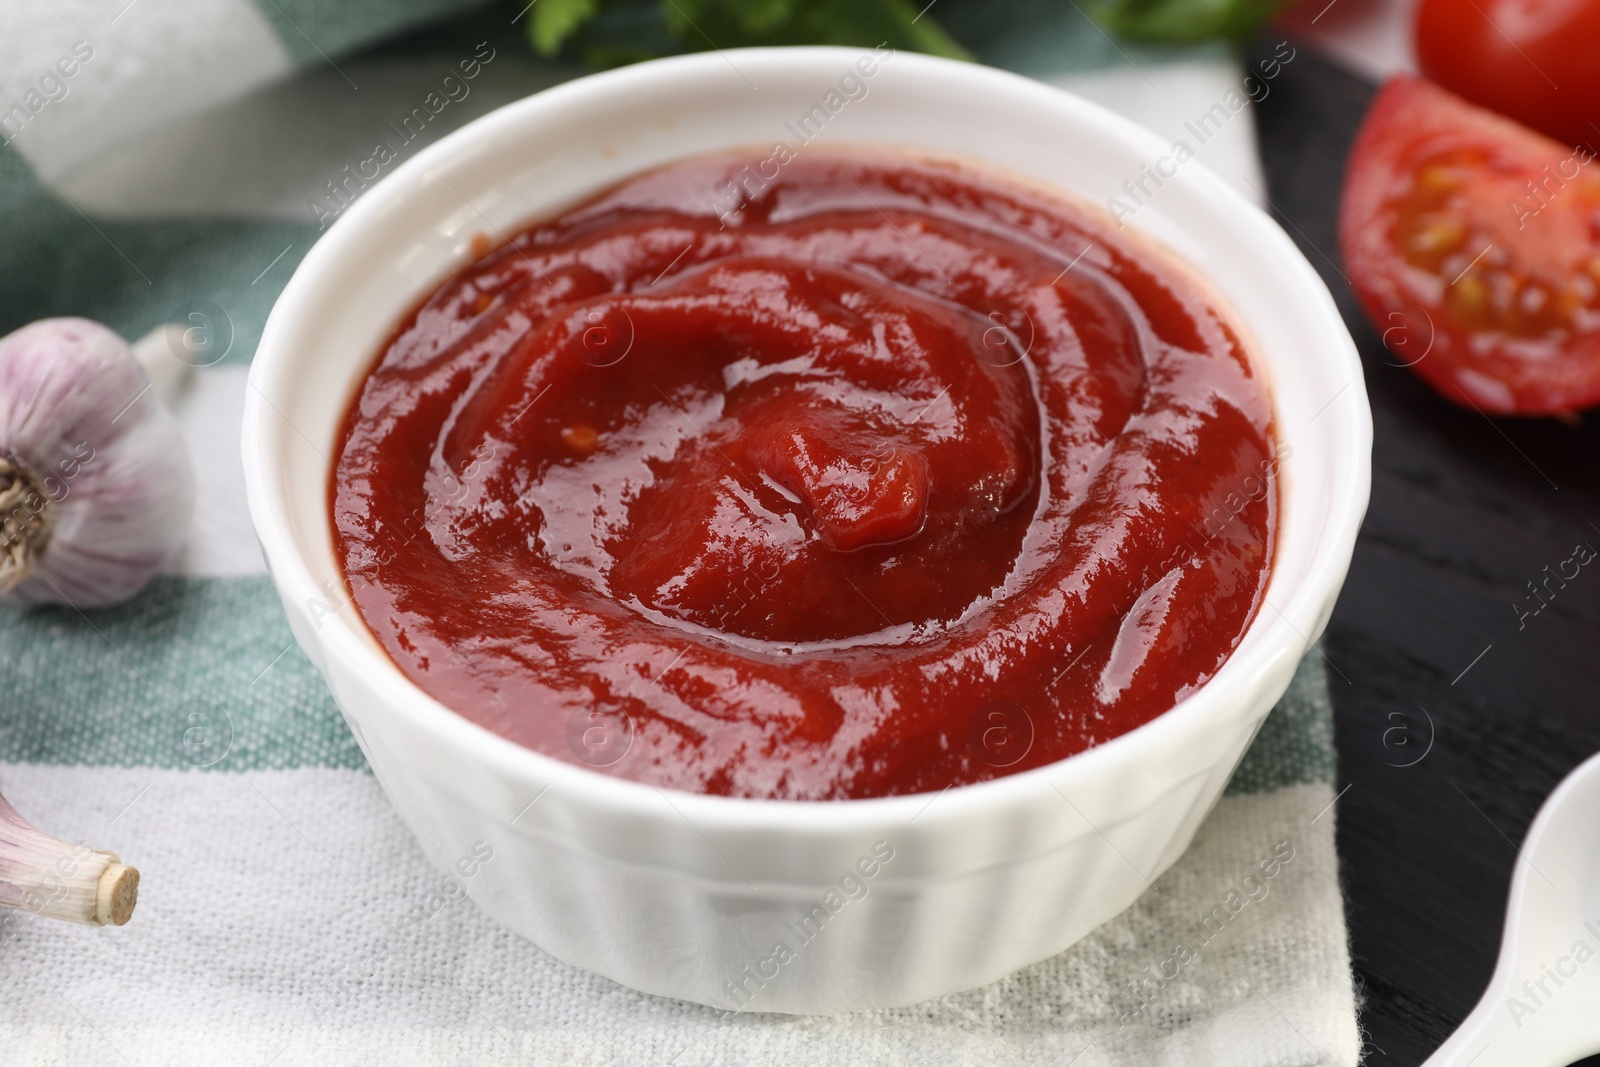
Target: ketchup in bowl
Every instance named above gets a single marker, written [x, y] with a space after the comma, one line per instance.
[842, 477]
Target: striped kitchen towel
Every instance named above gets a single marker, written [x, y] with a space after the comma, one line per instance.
[160, 175]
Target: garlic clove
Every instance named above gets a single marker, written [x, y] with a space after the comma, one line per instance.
[49, 877]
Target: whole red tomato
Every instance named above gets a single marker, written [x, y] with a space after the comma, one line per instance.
[1537, 61]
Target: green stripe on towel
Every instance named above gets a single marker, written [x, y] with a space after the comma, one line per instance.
[133, 276]
[193, 672]
[314, 31]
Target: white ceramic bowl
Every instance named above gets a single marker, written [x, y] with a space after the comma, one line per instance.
[686, 895]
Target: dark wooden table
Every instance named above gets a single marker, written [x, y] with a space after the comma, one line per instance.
[1427, 639]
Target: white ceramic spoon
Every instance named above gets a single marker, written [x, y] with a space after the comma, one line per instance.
[1542, 1007]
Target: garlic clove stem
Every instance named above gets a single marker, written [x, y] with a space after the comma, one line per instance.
[115, 895]
[46, 876]
[157, 351]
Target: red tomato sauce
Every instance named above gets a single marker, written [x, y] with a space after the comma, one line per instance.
[872, 477]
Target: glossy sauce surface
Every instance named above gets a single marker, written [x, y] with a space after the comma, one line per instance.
[848, 477]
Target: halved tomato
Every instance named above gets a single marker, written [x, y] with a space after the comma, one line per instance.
[1474, 245]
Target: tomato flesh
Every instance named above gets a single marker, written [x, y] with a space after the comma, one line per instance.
[1474, 244]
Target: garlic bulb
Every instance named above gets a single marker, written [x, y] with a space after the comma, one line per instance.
[96, 490]
[49, 877]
